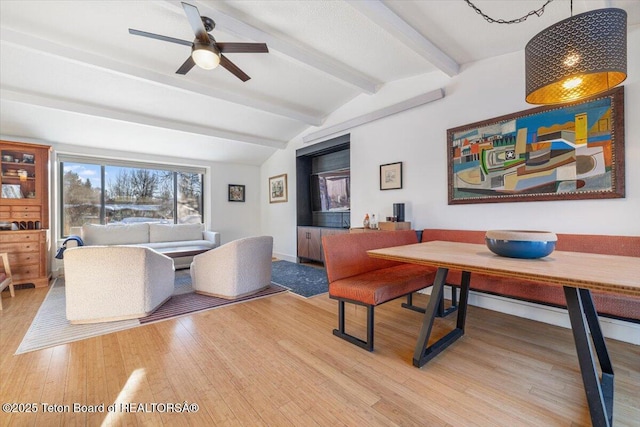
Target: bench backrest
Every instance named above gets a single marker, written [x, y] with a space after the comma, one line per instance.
[345, 255]
[592, 243]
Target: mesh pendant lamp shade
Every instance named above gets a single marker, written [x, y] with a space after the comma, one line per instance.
[577, 57]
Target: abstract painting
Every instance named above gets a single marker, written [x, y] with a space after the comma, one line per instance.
[559, 152]
[278, 189]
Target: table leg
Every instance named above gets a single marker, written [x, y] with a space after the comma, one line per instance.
[422, 353]
[584, 319]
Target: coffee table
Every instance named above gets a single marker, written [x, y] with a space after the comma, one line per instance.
[578, 273]
[184, 251]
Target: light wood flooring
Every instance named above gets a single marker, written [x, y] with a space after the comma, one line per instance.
[274, 361]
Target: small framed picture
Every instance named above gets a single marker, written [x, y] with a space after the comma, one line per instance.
[278, 189]
[27, 158]
[391, 176]
[236, 193]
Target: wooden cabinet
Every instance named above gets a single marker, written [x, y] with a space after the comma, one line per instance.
[310, 241]
[27, 255]
[24, 210]
[394, 226]
[384, 226]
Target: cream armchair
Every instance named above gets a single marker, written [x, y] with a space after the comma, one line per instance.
[107, 283]
[233, 270]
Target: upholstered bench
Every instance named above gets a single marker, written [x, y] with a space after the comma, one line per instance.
[615, 306]
[356, 278]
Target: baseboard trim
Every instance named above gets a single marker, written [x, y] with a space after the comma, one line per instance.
[620, 330]
[285, 257]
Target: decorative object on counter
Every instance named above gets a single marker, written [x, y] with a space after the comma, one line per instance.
[366, 222]
[391, 176]
[278, 188]
[569, 152]
[398, 211]
[11, 191]
[374, 222]
[236, 193]
[521, 243]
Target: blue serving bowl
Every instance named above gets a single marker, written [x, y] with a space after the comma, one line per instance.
[521, 244]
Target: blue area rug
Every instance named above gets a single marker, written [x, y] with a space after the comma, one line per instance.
[299, 278]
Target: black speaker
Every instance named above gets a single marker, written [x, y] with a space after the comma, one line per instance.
[398, 211]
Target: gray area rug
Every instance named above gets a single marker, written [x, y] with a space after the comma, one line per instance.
[50, 326]
[299, 278]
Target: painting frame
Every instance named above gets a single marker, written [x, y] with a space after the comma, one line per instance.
[236, 193]
[391, 176]
[563, 163]
[278, 191]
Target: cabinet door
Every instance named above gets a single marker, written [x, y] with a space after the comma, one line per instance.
[303, 242]
[315, 244]
[309, 243]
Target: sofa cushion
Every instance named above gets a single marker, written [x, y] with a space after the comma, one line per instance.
[174, 232]
[115, 234]
[177, 245]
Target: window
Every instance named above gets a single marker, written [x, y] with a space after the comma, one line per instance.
[125, 192]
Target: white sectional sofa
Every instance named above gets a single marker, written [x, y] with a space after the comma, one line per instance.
[164, 238]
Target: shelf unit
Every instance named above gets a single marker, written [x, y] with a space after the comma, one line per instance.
[324, 157]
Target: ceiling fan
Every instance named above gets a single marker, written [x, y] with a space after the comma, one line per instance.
[205, 51]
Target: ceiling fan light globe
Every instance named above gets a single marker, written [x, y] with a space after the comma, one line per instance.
[205, 58]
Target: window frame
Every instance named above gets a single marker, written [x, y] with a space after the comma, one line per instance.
[104, 162]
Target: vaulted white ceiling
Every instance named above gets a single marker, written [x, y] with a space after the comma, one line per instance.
[71, 73]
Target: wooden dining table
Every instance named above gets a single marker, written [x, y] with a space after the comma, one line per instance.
[577, 272]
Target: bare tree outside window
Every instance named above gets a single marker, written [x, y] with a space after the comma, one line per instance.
[130, 195]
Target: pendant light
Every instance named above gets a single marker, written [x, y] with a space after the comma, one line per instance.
[578, 57]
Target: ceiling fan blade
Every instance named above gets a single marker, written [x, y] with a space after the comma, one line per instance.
[242, 47]
[233, 68]
[193, 15]
[188, 65]
[159, 37]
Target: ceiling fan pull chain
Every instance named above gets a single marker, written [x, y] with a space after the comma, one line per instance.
[537, 12]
